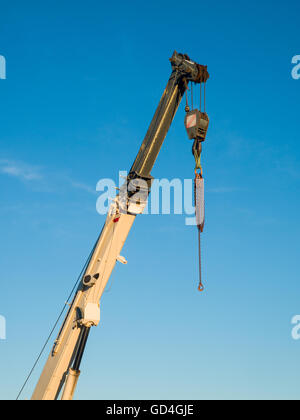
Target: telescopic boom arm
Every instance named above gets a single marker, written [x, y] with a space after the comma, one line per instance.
[62, 369]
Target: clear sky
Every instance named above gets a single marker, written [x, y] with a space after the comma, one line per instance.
[83, 82]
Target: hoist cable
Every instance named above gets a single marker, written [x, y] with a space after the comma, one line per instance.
[58, 319]
[200, 96]
[204, 101]
[201, 287]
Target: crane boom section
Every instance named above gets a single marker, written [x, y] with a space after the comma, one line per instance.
[103, 261]
[84, 311]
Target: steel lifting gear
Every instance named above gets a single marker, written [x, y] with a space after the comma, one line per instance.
[196, 124]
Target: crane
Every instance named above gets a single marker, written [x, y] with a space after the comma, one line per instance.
[62, 368]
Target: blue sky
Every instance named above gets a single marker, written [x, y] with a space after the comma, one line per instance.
[83, 82]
